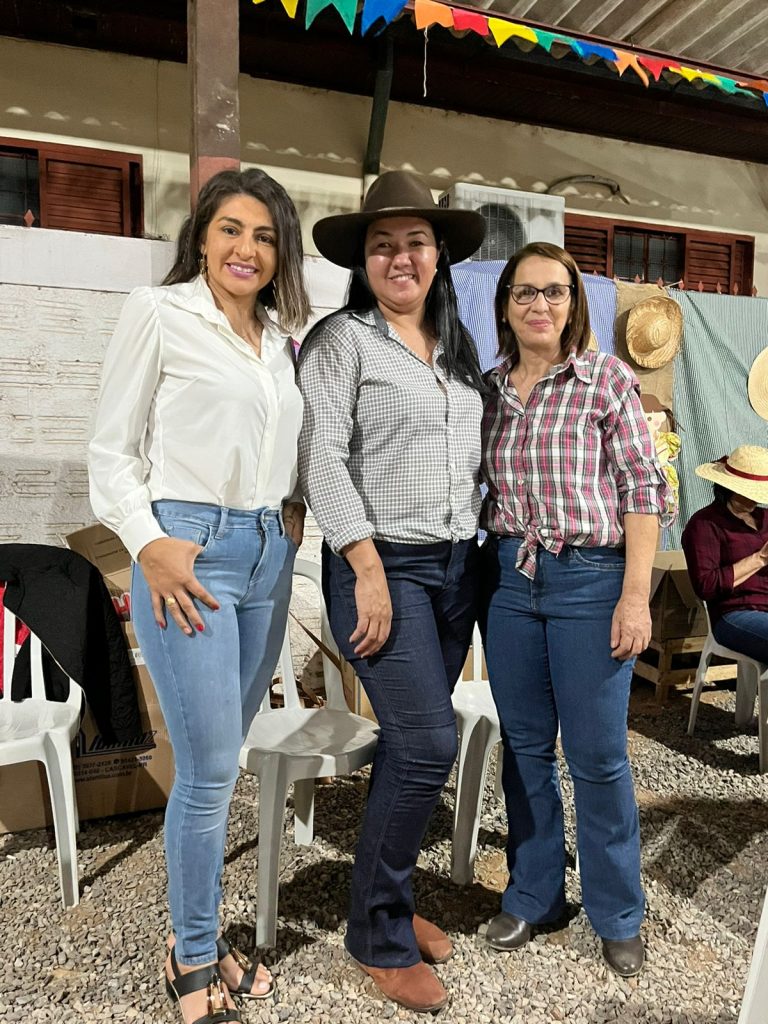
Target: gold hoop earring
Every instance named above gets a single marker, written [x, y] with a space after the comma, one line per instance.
[202, 265]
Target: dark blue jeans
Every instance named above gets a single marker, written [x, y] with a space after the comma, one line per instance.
[745, 631]
[547, 645]
[409, 683]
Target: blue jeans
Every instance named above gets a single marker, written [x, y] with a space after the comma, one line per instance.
[210, 686]
[547, 646]
[745, 631]
[409, 684]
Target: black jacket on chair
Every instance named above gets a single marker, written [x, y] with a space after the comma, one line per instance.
[64, 601]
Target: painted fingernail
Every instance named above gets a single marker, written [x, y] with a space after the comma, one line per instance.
[199, 627]
[161, 625]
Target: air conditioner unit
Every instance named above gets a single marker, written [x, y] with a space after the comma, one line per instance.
[513, 218]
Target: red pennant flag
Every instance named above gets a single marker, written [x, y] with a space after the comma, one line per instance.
[653, 65]
[470, 19]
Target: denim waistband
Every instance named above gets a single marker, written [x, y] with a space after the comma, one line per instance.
[219, 516]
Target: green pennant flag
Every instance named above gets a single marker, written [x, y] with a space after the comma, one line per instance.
[346, 8]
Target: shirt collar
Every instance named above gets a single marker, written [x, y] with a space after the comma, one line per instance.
[581, 366]
[195, 297]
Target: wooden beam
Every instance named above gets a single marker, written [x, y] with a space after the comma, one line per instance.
[213, 58]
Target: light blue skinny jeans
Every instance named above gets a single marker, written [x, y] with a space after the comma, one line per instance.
[210, 686]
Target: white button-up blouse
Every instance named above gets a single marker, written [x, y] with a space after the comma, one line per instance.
[189, 412]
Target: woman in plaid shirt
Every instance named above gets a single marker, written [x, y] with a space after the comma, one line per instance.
[572, 511]
[389, 459]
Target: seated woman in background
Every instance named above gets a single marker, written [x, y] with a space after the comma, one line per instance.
[726, 548]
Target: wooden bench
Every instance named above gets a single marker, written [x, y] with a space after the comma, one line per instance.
[666, 663]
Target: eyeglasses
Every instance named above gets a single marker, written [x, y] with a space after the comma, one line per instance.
[555, 294]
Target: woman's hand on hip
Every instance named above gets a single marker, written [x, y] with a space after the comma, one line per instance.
[372, 600]
[168, 567]
[631, 626]
[293, 521]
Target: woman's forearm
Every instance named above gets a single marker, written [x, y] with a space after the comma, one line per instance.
[747, 567]
[641, 534]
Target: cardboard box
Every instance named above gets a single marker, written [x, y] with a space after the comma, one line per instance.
[116, 779]
[109, 779]
[106, 551]
[675, 610]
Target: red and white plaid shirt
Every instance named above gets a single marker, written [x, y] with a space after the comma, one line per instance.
[567, 466]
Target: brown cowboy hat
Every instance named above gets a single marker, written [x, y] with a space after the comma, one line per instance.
[398, 194]
[744, 471]
[654, 331]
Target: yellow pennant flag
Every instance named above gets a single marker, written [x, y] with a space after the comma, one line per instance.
[504, 30]
[289, 5]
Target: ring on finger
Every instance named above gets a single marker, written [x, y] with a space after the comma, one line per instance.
[171, 600]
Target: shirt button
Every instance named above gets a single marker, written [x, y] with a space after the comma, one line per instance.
[521, 480]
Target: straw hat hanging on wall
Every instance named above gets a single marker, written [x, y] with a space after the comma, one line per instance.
[654, 331]
[757, 385]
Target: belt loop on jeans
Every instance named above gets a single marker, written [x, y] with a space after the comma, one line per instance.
[223, 517]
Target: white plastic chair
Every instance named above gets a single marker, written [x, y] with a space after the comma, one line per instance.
[751, 682]
[479, 732]
[297, 745]
[38, 729]
[753, 1006]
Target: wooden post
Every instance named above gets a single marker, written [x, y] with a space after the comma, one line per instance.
[213, 57]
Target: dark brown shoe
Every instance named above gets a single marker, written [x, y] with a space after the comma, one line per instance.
[416, 988]
[434, 945]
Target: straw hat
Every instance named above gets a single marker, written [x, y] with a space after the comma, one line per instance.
[398, 194]
[757, 385]
[654, 331]
[744, 471]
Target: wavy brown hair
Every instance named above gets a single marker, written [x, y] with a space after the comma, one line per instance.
[576, 333]
[286, 293]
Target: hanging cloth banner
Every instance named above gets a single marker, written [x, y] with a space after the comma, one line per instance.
[373, 10]
[470, 20]
[428, 12]
[526, 37]
[625, 60]
[346, 8]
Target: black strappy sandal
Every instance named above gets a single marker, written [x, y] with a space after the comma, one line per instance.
[195, 981]
[248, 980]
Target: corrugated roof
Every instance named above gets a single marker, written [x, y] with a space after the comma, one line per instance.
[731, 34]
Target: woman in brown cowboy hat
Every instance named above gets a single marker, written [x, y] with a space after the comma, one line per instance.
[726, 548]
[389, 464]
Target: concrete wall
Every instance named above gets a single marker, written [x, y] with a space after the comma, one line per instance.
[313, 141]
[60, 296]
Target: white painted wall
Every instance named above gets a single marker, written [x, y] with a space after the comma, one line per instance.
[313, 141]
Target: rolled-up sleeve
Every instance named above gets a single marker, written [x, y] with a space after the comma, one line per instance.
[117, 477]
[710, 579]
[329, 376]
[642, 486]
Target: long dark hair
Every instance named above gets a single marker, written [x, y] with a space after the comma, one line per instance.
[286, 293]
[459, 356]
[576, 332]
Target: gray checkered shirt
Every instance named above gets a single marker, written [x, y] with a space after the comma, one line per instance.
[390, 447]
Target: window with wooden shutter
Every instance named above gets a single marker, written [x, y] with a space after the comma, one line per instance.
[75, 188]
[628, 249]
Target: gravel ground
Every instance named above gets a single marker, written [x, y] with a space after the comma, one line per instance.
[705, 830]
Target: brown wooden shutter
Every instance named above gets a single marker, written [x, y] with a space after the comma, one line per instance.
[708, 261]
[82, 197]
[589, 242]
[83, 189]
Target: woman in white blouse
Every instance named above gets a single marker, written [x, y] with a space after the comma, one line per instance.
[193, 464]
